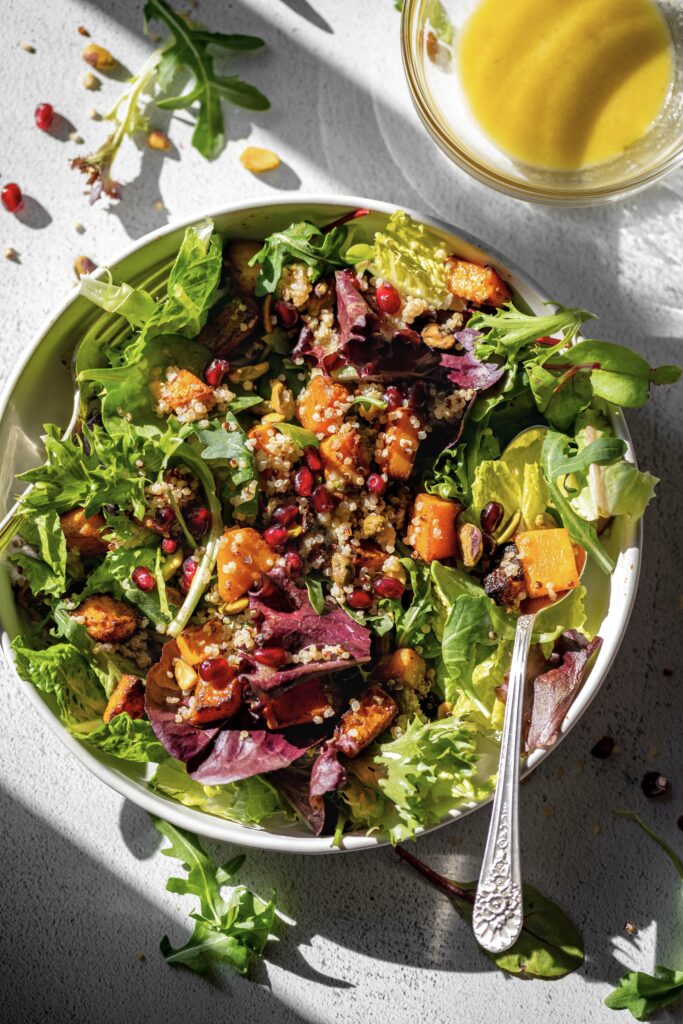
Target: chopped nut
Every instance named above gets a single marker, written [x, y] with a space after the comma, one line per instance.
[83, 31]
[75, 137]
[80, 228]
[373, 524]
[185, 675]
[471, 544]
[444, 709]
[273, 417]
[235, 607]
[159, 140]
[436, 336]
[99, 58]
[258, 160]
[28, 47]
[11, 254]
[282, 400]
[84, 265]
[243, 373]
[93, 83]
[392, 567]
[342, 569]
[630, 928]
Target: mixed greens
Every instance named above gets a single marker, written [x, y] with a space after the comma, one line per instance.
[282, 555]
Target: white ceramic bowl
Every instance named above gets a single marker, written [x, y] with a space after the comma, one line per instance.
[41, 391]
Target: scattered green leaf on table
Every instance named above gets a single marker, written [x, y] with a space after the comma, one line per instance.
[644, 994]
[668, 850]
[228, 931]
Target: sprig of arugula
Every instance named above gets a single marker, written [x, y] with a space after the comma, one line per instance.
[302, 242]
[229, 931]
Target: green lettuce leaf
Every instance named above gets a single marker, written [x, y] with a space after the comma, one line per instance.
[136, 305]
[192, 284]
[62, 671]
[408, 255]
[643, 994]
[46, 572]
[130, 739]
[515, 481]
[230, 931]
[509, 331]
[250, 801]
[107, 665]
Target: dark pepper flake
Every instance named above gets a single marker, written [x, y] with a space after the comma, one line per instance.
[603, 748]
[680, 823]
[654, 784]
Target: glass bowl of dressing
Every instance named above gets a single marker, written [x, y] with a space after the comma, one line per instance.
[563, 102]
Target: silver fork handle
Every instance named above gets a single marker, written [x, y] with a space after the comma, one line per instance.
[497, 916]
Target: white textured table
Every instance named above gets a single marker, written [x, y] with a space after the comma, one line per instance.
[82, 881]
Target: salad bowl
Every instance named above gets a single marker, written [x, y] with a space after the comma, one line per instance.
[42, 391]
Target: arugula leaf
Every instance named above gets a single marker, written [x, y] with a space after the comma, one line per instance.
[228, 448]
[113, 576]
[189, 50]
[549, 946]
[232, 931]
[130, 739]
[555, 466]
[643, 994]
[661, 843]
[250, 801]
[509, 330]
[301, 242]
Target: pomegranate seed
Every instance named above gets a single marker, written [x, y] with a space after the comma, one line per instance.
[189, 569]
[286, 313]
[198, 521]
[169, 545]
[44, 116]
[164, 516]
[273, 657]
[388, 299]
[393, 397]
[304, 482]
[12, 198]
[312, 459]
[359, 599]
[217, 671]
[285, 515]
[376, 483]
[216, 371]
[322, 500]
[491, 517]
[293, 563]
[275, 536]
[388, 586]
[143, 578]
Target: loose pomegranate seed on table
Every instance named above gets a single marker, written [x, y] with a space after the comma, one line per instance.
[44, 116]
[11, 196]
[388, 299]
[285, 515]
[388, 586]
[359, 599]
[169, 545]
[143, 578]
[376, 483]
[217, 671]
[216, 371]
[304, 482]
[275, 536]
[322, 500]
[312, 459]
[273, 657]
[198, 521]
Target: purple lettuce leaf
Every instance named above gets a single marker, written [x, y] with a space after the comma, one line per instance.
[294, 783]
[181, 740]
[285, 618]
[465, 370]
[240, 753]
[327, 773]
[353, 312]
[553, 691]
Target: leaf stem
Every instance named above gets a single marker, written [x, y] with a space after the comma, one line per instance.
[439, 881]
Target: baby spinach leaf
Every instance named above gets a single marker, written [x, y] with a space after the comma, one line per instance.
[550, 946]
[643, 994]
[620, 375]
[230, 931]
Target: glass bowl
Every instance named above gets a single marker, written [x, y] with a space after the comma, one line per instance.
[432, 73]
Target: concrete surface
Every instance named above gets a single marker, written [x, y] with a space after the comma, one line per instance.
[82, 890]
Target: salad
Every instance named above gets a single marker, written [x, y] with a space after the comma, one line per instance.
[281, 556]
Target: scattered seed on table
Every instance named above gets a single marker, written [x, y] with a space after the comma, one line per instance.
[630, 928]
[10, 254]
[603, 748]
[83, 31]
[75, 137]
[654, 784]
[91, 81]
[28, 47]
[84, 265]
[80, 228]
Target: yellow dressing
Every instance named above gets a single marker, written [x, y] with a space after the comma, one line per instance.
[565, 84]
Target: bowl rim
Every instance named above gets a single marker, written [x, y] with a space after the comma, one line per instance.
[518, 189]
[221, 829]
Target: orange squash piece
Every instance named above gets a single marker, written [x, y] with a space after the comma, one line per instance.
[192, 642]
[212, 703]
[433, 533]
[84, 534]
[242, 556]
[298, 705]
[128, 695]
[344, 458]
[548, 561]
[322, 405]
[397, 445]
[481, 285]
[360, 725]
[260, 435]
[185, 389]
[161, 682]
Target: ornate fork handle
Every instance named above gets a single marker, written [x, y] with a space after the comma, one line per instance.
[497, 915]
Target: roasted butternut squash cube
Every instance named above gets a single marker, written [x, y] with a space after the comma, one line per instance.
[128, 695]
[344, 457]
[548, 562]
[84, 534]
[242, 556]
[105, 619]
[161, 682]
[186, 390]
[433, 532]
[397, 445]
[261, 434]
[404, 666]
[481, 285]
[306, 702]
[322, 405]
[212, 703]
[192, 642]
[367, 717]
